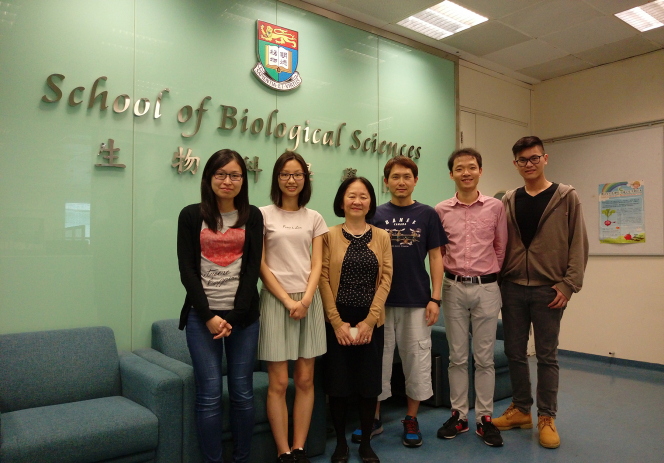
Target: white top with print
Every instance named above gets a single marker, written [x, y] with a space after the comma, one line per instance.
[288, 238]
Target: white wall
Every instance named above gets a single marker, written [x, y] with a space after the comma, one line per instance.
[495, 113]
[621, 306]
[612, 313]
[612, 95]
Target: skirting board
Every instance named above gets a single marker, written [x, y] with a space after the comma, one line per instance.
[612, 360]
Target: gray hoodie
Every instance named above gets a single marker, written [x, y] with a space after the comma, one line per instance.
[558, 253]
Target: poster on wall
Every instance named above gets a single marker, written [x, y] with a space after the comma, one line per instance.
[621, 213]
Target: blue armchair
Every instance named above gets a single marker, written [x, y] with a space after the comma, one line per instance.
[169, 350]
[68, 396]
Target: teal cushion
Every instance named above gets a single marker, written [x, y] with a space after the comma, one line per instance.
[54, 367]
[78, 432]
[168, 339]
[499, 357]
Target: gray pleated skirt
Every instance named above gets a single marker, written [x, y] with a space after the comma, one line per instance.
[282, 338]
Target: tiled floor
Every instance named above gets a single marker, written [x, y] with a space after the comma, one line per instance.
[607, 413]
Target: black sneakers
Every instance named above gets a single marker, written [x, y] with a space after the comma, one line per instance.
[453, 426]
[299, 456]
[489, 432]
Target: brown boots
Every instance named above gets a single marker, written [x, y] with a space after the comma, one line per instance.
[548, 434]
[515, 418]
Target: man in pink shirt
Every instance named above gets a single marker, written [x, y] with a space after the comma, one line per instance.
[476, 227]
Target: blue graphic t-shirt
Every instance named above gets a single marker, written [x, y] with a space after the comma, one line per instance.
[414, 230]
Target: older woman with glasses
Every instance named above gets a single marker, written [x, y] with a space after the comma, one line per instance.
[292, 324]
[354, 283]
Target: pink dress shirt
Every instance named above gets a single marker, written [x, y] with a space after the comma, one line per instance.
[477, 234]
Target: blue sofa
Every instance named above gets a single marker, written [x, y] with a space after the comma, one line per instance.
[68, 396]
[169, 350]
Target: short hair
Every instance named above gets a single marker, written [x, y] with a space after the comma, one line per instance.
[209, 207]
[275, 191]
[525, 143]
[402, 161]
[341, 192]
[464, 152]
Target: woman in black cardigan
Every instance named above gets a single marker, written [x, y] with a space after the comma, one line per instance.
[220, 243]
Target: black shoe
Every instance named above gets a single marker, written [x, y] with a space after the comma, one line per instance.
[299, 456]
[340, 454]
[489, 432]
[368, 455]
[285, 458]
[453, 426]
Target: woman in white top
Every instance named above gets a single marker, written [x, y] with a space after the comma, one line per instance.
[292, 322]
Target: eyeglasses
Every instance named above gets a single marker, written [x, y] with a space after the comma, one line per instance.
[235, 176]
[285, 176]
[533, 160]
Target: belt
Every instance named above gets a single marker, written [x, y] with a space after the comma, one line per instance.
[483, 279]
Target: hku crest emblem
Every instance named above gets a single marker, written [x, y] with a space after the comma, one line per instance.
[278, 50]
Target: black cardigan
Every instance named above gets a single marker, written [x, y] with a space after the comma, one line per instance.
[245, 308]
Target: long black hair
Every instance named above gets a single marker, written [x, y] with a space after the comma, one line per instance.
[275, 192]
[209, 207]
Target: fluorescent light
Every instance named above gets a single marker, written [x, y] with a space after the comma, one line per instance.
[644, 17]
[655, 9]
[442, 20]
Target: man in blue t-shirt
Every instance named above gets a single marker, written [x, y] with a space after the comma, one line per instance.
[410, 309]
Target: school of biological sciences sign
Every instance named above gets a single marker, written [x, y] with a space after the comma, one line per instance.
[230, 120]
[278, 55]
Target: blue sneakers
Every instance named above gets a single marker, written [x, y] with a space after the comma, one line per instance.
[377, 428]
[412, 437]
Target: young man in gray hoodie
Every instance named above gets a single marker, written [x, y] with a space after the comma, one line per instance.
[545, 259]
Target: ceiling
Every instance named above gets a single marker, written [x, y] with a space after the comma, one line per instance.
[529, 40]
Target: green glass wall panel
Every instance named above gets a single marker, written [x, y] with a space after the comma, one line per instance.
[196, 52]
[83, 245]
[340, 65]
[65, 225]
[417, 109]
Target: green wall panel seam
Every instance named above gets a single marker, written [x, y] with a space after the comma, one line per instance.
[133, 198]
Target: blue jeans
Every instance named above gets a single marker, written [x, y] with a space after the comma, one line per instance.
[206, 355]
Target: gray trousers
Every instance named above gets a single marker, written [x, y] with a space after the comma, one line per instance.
[523, 305]
[464, 304]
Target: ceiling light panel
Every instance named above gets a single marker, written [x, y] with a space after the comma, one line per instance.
[644, 17]
[442, 20]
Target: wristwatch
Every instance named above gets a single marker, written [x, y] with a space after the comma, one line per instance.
[437, 301]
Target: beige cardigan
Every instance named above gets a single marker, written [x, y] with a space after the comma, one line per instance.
[334, 251]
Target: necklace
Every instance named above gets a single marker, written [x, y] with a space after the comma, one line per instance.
[366, 228]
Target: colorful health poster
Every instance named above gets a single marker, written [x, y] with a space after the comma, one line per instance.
[621, 213]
